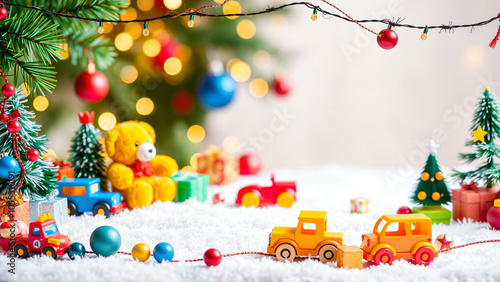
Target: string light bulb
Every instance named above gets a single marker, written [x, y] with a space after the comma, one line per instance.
[424, 35]
[191, 21]
[314, 16]
[100, 29]
[145, 31]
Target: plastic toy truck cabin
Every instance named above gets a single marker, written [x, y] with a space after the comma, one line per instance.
[401, 236]
[281, 193]
[43, 237]
[308, 238]
[84, 195]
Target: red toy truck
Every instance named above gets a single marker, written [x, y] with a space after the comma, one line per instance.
[43, 237]
[281, 193]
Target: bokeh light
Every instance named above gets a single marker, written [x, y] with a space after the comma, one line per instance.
[262, 59]
[128, 74]
[246, 29]
[108, 27]
[194, 160]
[134, 29]
[240, 71]
[151, 48]
[188, 169]
[196, 133]
[25, 89]
[129, 14]
[145, 5]
[40, 103]
[185, 53]
[144, 106]
[123, 41]
[107, 121]
[231, 144]
[231, 62]
[172, 4]
[64, 53]
[219, 1]
[475, 53]
[258, 87]
[172, 66]
[231, 7]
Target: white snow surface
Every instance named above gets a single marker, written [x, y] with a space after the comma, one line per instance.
[193, 227]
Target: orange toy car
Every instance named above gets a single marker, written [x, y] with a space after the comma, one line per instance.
[401, 236]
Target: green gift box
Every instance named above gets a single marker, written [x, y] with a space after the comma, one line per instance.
[191, 186]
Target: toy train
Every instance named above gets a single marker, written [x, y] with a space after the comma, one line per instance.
[394, 237]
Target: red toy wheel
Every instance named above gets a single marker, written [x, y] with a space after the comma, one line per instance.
[424, 256]
[384, 256]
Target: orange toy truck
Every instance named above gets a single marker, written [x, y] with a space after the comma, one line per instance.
[308, 238]
[401, 236]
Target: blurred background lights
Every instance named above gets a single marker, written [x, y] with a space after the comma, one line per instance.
[128, 74]
[40, 103]
[172, 4]
[188, 169]
[129, 14]
[172, 66]
[240, 71]
[144, 106]
[196, 133]
[151, 48]
[108, 27]
[134, 29]
[475, 53]
[123, 41]
[25, 88]
[258, 87]
[231, 7]
[262, 59]
[64, 53]
[194, 160]
[219, 1]
[231, 144]
[246, 29]
[107, 121]
[231, 62]
[145, 5]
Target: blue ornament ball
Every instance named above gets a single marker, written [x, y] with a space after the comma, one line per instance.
[215, 91]
[76, 249]
[8, 167]
[105, 241]
[163, 252]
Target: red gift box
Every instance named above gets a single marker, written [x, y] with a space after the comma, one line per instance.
[473, 202]
[21, 210]
[222, 168]
[65, 170]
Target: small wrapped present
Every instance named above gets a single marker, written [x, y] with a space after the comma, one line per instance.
[221, 167]
[191, 186]
[65, 170]
[350, 257]
[57, 206]
[14, 207]
[472, 201]
[359, 205]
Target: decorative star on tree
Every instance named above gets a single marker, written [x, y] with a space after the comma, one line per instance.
[432, 147]
[479, 134]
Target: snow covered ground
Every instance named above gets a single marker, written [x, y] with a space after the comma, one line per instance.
[193, 227]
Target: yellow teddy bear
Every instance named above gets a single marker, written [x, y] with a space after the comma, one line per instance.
[136, 171]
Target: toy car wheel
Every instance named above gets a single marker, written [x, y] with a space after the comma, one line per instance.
[49, 251]
[285, 252]
[72, 209]
[250, 199]
[328, 253]
[102, 208]
[21, 251]
[384, 256]
[424, 256]
[285, 200]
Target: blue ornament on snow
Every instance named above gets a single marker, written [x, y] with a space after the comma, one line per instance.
[9, 167]
[76, 249]
[105, 241]
[216, 90]
[163, 252]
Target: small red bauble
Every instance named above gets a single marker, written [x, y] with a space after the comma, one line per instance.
[3, 13]
[388, 39]
[8, 90]
[13, 126]
[92, 87]
[404, 210]
[493, 215]
[212, 257]
[250, 164]
[4, 117]
[218, 198]
[32, 155]
[281, 86]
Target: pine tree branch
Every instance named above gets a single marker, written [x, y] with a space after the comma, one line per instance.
[108, 9]
[87, 43]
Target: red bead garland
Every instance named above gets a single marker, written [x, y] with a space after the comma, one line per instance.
[13, 126]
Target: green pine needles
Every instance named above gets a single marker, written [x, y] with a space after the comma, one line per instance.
[487, 116]
[40, 179]
[432, 189]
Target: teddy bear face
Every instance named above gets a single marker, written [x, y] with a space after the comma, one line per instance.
[131, 141]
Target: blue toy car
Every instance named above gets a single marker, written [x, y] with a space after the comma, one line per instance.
[84, 195]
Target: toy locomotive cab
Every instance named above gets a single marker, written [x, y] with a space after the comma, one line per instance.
[84, 195]
[281, 193]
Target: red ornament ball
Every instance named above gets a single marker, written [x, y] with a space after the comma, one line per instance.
[3, 13]
[404, 210]
[13, 126]
[388, 39]
[212, 257]
[8, 90]
[250, 164]
[32, 155]
[218, 198]
[182, 102]
[281, 86]
[493, 215]
[92, 87]
[169, 48]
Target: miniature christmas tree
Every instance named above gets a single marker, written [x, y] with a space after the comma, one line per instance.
[86, 151]
[485, 129]
[39, 179]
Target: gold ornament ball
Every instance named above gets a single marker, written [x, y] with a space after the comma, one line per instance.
[421, 195]
[436, 196]
[141, 252]
[438, 245]
[425, 176]
[423, 36]
[439, 176]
